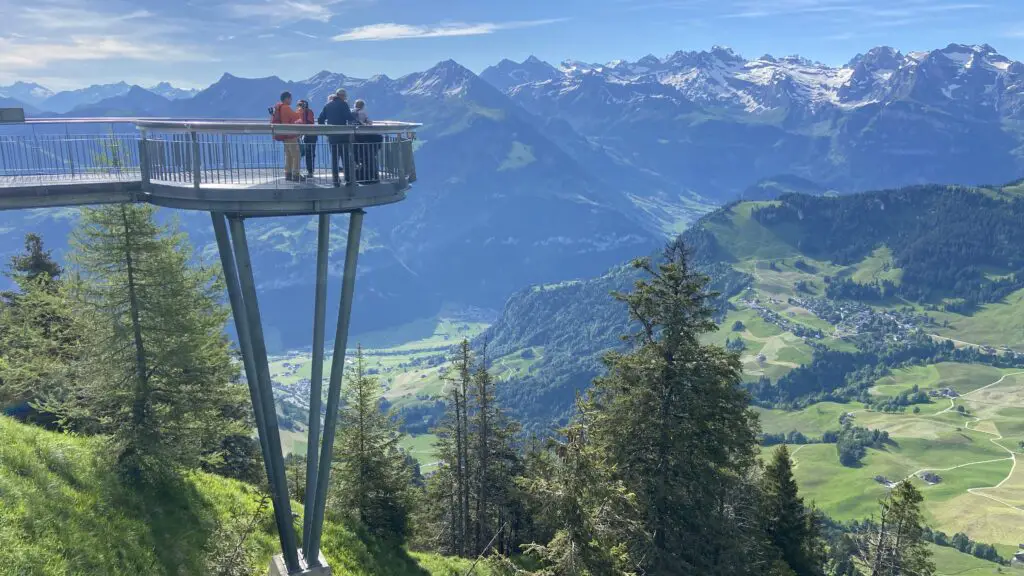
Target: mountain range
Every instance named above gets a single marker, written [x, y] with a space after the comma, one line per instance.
[532, 173]
[43, 101]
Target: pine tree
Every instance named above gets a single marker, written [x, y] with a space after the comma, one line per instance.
[472, 505]
[449, 488]
[39, 333]
[786, 521]
[894, 546]
[495, 465]
[35, 263]
[156, 372]
[672, 419]
[482, 423]
[593, 516]
[373, 481]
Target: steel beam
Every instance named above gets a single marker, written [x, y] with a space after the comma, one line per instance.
[277, 478]
[355, 226]
[317, 377]
[227, 262]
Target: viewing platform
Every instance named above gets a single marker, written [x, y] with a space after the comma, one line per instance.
[228, 166]
[234, 170]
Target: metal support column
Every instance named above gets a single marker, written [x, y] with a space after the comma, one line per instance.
[355, 226]
[276, 475]
[227, 261]
[317, 377]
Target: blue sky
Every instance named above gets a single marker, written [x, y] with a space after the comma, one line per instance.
[70, 43]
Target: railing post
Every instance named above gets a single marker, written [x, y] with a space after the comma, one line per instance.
[196, 173]
[400, 171]
[71, 155]
[144, 158]
[225, 151]
[350, 161]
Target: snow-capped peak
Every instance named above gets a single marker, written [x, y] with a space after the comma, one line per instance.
[722, 79]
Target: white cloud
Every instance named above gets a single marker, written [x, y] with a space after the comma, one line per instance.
[392, 31]
[29, 55]
[67, 18]
[283, 11]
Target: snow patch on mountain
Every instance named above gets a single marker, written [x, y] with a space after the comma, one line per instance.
[720, 78]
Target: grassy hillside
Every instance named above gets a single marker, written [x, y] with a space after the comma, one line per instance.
[62, 512]
[981, 490]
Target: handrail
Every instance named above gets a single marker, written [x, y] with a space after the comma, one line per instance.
[214, 158]
[241, 126]
[249, 127]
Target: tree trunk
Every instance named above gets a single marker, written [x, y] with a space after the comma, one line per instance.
[458, 480]
[464, 429]
[140, 405]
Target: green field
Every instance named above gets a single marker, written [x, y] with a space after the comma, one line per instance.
[877, 267]
[961, 377]
[997, 325]
[981, 492]
[421, 447]
[951, 562]
[407, 359]
[814, 420]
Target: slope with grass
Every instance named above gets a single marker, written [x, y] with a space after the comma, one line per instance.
[951, 562]
[63, 512]
[981, 492]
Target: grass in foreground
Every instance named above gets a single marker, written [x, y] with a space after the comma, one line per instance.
[62, 512]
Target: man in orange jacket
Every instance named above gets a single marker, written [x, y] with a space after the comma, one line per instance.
[283, 114]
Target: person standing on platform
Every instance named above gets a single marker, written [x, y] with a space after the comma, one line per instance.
[368, 145]
[337, 113]
[309, 140]
[283, 114]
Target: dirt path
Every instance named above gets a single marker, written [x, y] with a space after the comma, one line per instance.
[792, 455]
[992, 384]
[995, 438]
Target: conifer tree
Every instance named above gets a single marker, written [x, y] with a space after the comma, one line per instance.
[39, 333]
[894, 546]
[495, 464]
[786, 521]
[593, 515]
[672, 420]
[156, 371]
[472, 506]
[449, 488]
[373, 481]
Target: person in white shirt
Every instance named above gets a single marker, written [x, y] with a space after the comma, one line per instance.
[360, 113]
[367, 147]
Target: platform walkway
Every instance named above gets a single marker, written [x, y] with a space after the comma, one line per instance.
[226, 166]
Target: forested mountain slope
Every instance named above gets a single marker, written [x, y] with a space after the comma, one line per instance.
[928, 259]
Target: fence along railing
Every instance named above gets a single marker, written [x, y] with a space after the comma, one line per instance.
[204, 154]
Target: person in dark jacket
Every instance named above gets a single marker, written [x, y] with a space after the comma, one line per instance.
[309, 140]
[337, 113]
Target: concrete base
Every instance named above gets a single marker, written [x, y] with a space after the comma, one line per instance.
[278, 568]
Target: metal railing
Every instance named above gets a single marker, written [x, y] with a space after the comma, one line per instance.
[204, 153]
[41, 158]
